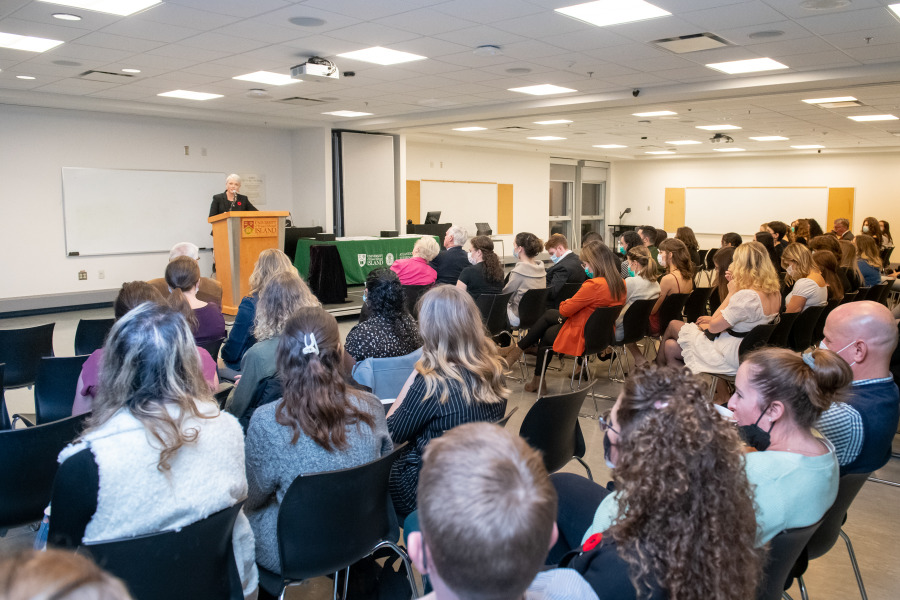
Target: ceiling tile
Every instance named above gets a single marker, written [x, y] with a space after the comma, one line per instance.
[854, 20]
[425, 21]
[488, 12]
[118, 42]
[149, 31]
[472, 37]
[364, 35]
[236, 8]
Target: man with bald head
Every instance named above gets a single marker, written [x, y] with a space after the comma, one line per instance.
[864, 334]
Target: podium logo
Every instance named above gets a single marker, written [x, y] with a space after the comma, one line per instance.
[389, 259]
[248, 228]
[361, 259]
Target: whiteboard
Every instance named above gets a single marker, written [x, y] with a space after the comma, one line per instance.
[367, 182]
[743, 210]
[118, 211]
[461, 203]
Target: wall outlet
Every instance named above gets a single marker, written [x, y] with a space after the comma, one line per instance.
[82, 275]
[101, 274]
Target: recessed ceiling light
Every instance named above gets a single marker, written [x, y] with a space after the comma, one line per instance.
[546, 138]
[188, 95]
[830, 100]
[655, 113]
[67, 63]
[895, 9]
[27, 42]
[769, 138]
[767, 34]
[66, 17]
[518, 71]
[24, 77]
[808, 146]
[684, 142]
[612, 12]
[753, 65]
[552, 122]
[307, 21]
[123, 8]
[542, 90]
[660, 152]
[609, 146]
[131, 70]
[347, 113]
[873, 118]
[729, 149]
[824, 4]
[717, 127]
[382, 56]
[267, 77]
[469, 128]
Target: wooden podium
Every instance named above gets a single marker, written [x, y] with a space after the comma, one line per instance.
[238, 240]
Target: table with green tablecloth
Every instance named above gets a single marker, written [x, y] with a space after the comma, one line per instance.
[360, 255]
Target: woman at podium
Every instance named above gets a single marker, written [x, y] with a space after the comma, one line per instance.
[230, 199]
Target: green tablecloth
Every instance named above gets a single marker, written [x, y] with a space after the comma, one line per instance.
[359, 256]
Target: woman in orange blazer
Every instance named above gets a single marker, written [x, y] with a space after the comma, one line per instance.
[563, 330]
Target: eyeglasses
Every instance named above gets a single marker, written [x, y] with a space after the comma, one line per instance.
[605, 423]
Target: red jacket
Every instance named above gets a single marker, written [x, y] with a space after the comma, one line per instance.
[593, 294]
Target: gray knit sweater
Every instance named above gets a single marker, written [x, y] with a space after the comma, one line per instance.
[273, 463]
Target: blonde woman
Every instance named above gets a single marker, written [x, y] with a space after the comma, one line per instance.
[810, 287]
[869, 261]
[754, 296]
[642, 286]
[241, 337]
[459, 379]
[416, 270]
[850, 266]
[279, 298]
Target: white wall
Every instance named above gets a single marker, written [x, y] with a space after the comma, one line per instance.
[311, 176]
[641, 185]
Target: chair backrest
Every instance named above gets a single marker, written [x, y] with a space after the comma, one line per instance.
[827, 533]
[386, 376]
[714, 300]
[212, 346]
[702, 254]
[22, 350]
[874, 292]
[849, 297]
[636, 321]
[695, 307]
[493, 311]
[532, 306]
[671, 310]
[801, 333]
[4, 414]
[600, 329]
[885, 292]
[784, 550]
[90, 334]
[782, 332]
[818, 333]
[568, 290]
[756, 338]
[411, 295]
[196, 561]
[54, 387]
[862, 293]
[551, 426]
[330, 520]
[710, 264]
[29, 466]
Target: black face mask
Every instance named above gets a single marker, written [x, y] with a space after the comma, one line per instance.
[755, 436]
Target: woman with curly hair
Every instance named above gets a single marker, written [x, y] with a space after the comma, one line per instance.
[681, 523]
[711, 344]
[528, 274]
[872, 229]
[459, 379]
[809, 287]
[485, 276]
[869, 261]
[390, 330]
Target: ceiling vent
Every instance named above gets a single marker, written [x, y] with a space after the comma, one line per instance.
[514, 129]
[300, 101]
[692, 43]
[105, 76]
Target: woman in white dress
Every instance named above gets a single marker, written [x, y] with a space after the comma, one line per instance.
[711, 344]
[810, 288]
[642, 286]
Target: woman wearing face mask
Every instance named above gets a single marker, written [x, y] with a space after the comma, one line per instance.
[641, 286]
[485, 276]
[675, 260]
[628, 240]
[528, 274]
[778, 397]
[872, 229]
[809, 286]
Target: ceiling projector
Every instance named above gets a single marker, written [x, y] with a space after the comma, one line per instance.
[721, 137]
[316, 67]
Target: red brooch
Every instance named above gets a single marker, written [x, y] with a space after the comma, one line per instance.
[239, 203]
[592, 542]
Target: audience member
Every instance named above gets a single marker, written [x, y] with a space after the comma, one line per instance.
[887, 241]
[648, 238]
[56, 575]
[205, 318]
[627, 241]
[643, 285]
[799, 232]
[660, 236]
[828, 267]
[778, 397]
[841, 229]
[815, 229]
[778, 230]
[591, 236]
[282, 295]
[566, 268]
[678, 279]
[485, 275]
[829, 243]
[680, 523]
[241, 337]
[869, 261]
[766, 240]
[722, 261]
[319, 425]
[487, 517]
[416, 270]
[809, 287]
[872, 229]
[862, 428]
[711, 344]
[733, 239]
[459, 379]
[686, 236]
[165, 454]
[563, 330]
[528, 274]
[390, 330]
[131, 295]
[450, 262]
[210, 289]
[850, 265]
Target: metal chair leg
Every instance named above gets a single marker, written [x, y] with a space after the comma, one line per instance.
[586, 467]
[543, 371]
[859, 581]
[406, 563]
[804, 594]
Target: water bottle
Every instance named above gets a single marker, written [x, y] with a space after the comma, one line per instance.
[40, 539]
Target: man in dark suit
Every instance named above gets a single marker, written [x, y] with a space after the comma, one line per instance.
[450, 262]
[566, 268]
[230, 200]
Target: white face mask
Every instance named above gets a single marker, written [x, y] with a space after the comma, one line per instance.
[471, 258]
[865, 229]
[838, 352]
[515, 253]
[662, 260]
[790, 271]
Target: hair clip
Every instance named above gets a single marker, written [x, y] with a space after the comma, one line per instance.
[659, 405]
[809, 360]
[310, 344]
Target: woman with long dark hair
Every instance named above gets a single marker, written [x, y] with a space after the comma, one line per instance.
[528, 274]
[766, 240]
[485, 276]
[686, 236]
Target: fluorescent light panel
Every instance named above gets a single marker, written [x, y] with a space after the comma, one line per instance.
[553, 122]
[27, 42]
[347, 113]
[469, 128]
[684, 142]
[542, 90]
[769, 138]
[660, 152]
[808, 146]
[382, 56]
[610, 146]
[873, 118]
[656, 113]
[895, 8]
[24, 77]
[612, 12]
[188, 95]
[131, 70]
[753, 65]
[546, 138]
[829, 100]
[267, 77]
[718, 127]
[66, 17]
[123, 8]
[729, 149]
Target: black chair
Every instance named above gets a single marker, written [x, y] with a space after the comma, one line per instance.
[669, 311]
[212, 346]
[29, 466]
[55, 387]
[327, 279]
[22, 350]
[818, 333]
[493, 312]
[635, 325]
[715, 301]
[784, 550]
[329, 521]
[849, 297]
[886, 256]
[196, 561]
[862, 293]
[411, 295]
[755, 338]
[710, 263]
[831, 527]
[801, 334]
[5, 423]
[781, 335]
[90, 334]
[551, 426]
[532, 306]
[568, 290]
[695, 307]
[883, 293]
